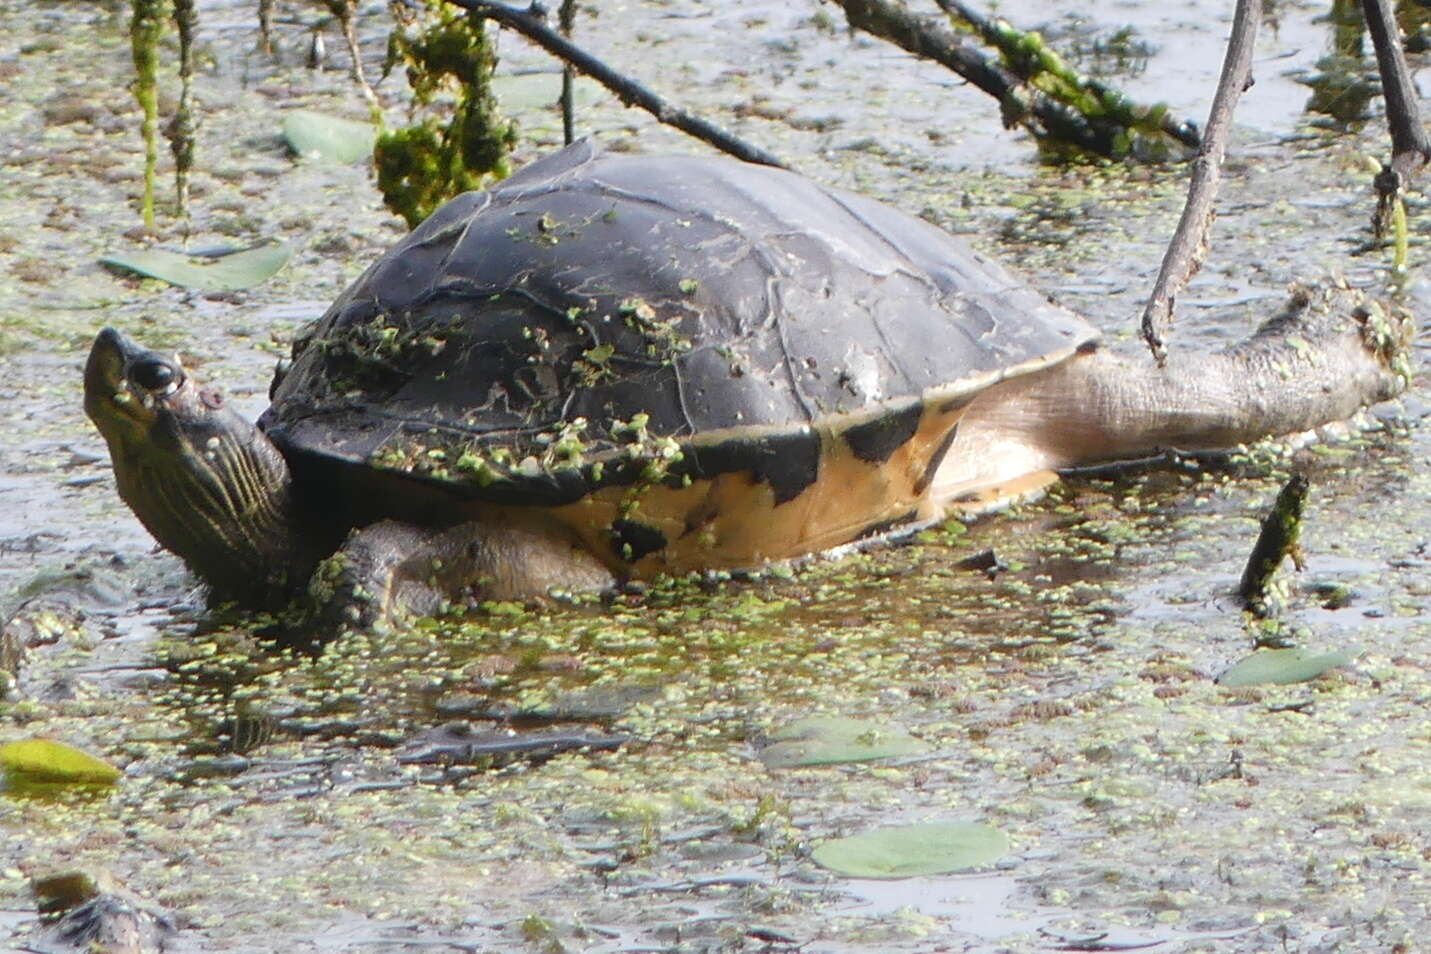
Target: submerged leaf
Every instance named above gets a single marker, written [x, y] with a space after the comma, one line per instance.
[228, 272]
[541, 90]
[43, 763]
[328, 138]
[927, 849]
[1280, 666]
[825, 740]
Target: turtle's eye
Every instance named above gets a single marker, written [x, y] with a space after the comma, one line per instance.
[153, 375]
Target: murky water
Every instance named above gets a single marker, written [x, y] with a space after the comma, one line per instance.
[269, 798]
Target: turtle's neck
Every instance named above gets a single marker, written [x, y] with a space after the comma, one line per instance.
[222, 501]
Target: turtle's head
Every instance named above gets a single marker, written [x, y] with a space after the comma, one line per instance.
[144, 401]
[205, 482]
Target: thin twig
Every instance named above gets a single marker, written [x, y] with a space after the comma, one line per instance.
[1190, 242]
[265, 26]
[529, 23]
[566, 17]
[347, 13]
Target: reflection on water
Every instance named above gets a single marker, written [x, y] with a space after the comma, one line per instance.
[1345, 81]
[1096, 48]
[976, 904]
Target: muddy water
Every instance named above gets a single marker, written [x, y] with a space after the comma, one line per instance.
[276, 801]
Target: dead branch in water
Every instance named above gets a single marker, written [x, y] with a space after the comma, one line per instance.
[1034, 62]
[1189, 245]
[529, 23]
[1280, 538]
[1410, 146]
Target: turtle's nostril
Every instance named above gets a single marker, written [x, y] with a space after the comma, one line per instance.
[153, 375]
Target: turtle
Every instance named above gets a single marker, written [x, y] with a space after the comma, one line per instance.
[609, 367]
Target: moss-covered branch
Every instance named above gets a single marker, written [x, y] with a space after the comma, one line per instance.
[1101, 131]
[1280, 538]
[424, 164]
[146, 25]
[1027, 56]
[180, 130]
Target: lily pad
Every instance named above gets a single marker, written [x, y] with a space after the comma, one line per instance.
[230, 271]
[827, 740]
[45, 764]
[328, 138]
[905, 852]
[1281, 666]
[541, 90]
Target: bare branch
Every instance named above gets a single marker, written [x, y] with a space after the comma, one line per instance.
[1410, 146]
[529, 23]
[1409, 142]
[566, 18]
[1189, 245]
[347, 13]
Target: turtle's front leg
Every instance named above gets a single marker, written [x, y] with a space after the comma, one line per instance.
[392, 570]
